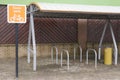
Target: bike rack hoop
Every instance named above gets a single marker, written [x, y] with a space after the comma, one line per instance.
[95, 52]
[67, 53]
[56, 50]
[80, 49]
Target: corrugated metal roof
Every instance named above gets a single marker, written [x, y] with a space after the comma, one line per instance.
[75, 11]
[77, 8]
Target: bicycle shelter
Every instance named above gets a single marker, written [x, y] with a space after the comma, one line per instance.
[68, 11]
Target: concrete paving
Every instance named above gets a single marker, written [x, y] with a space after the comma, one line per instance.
[46, 70]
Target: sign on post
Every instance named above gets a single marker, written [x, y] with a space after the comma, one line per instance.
[16, 13]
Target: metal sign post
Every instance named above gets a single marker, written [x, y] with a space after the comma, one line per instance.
[16, 14]
[16, 42]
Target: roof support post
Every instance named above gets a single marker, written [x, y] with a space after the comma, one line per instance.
[114, 42]
[101, 40]
[29, 42]
[32, 36]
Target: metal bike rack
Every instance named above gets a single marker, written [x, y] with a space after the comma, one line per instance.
[66, 51]
[109, 24]
[80, 49]
[95, 56]
[56, 50]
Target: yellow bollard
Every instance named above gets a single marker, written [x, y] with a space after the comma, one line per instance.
[108, 56]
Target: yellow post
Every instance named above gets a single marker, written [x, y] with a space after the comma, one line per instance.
[108, 56]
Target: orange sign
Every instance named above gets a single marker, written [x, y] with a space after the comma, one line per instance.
[16, 13]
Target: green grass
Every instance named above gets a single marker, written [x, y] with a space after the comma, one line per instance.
[87, 2]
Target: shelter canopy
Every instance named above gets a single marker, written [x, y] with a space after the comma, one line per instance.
[75, 10]
[70, 11]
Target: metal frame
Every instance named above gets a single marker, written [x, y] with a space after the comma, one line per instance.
[34, 9]
[56, 49]
[66, 51]
[80, 48]
[108, 24]
[32, 37]
[95, 56]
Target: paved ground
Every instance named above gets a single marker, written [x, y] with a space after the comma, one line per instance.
[48, 71]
